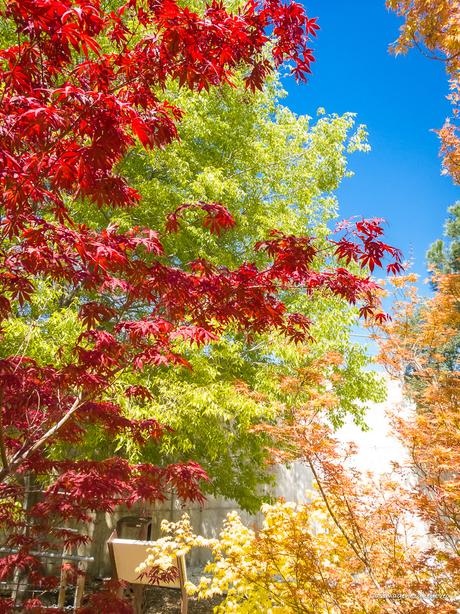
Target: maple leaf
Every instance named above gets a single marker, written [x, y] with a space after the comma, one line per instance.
[194, 334]
[217, 218]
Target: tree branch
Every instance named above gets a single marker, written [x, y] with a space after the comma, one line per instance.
[2, 438]
[20, 457]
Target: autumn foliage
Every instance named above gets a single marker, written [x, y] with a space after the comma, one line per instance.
[427, 348]
[81, 86]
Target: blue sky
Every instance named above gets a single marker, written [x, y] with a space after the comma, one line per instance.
[401, 99]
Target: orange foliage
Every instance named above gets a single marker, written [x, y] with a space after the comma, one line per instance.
[427, 343]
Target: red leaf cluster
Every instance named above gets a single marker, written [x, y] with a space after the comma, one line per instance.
[217, 218]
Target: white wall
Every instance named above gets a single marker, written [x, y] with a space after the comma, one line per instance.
[377, 447]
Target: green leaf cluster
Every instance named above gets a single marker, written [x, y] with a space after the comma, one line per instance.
[444, 255]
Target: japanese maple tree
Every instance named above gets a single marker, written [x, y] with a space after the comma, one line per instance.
[70, 112]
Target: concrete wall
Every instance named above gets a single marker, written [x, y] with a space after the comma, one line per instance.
[292, 484]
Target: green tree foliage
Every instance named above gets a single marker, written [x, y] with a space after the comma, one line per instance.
[272, 169]
[444, 256]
